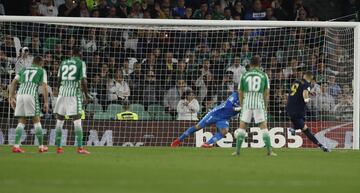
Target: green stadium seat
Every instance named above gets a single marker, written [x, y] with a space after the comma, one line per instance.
[102, 116]
[114, 109]
[93, 108]
[144, 116]
[154, 109]
[137, 108]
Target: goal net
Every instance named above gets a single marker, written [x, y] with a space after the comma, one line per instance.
[172, 75]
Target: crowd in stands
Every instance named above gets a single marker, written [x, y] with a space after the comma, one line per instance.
[173, 9]
[186, 72]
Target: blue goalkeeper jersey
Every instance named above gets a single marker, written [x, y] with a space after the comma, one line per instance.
[226, 109]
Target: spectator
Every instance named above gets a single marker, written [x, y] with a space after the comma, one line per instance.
[237, 70]
[104, 80]
[122, 9]
[205, 86]
[290, 69]
[207, 105]
[323, 102]
[257, 12]
[200, 13]
[126, 70]
[127, 115]
[180, 8]
[217, 13]
[118, 89]
[88, 42]
[23, 60]
[173, 96]
[270, 14]
[47, 8]
[112, 13]
[334, 88]
[136, 84]
[227, 13]
[34, 9]
[151, 89]
[4, 95]
[2, 9]
[344, 109]
[84, 11]
[95, 88]
[103, 8]
[238, 9]
[35, 46]
[136, 11]
[227, 86]
[188, 107]
[188, 13]
[69, 9]
[95, 13]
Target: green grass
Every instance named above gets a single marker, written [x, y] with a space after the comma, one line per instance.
[183, 170]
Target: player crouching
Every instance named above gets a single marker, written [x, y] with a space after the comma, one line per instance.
[26, 103]
[296, 105]
[219, 117]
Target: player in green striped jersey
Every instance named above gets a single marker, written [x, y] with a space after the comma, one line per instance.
[26, 103]
[254, 96]
[72, 76]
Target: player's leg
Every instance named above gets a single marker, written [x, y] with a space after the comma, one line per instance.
[245, 117]
[240, 137]
[39, 134]
[18, 133]
[60, 111]
[79, 134]
[206, 120]
[313, 139]
[223, 128]
[58, 132]
[261, 119]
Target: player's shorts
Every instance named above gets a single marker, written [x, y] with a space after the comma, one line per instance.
[27, 106]
[210, 119]
[298, 120]
[258, 114]
[66, 105]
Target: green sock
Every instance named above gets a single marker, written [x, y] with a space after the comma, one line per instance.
[18, 132]
[239, 141]
[58, 137]
[79, 136]
[266, 139]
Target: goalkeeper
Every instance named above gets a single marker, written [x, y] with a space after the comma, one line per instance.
[219, 116]
[296, 105]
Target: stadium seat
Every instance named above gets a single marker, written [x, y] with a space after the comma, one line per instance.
[93, 108]
[144, 116]
[154, 109]
[102, 116]
[137, 108]
[163, 117]
[114, 109]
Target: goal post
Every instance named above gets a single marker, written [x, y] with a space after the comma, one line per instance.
[149, 65]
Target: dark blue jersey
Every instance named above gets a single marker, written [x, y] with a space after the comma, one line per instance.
[296, 103]
[226, 109]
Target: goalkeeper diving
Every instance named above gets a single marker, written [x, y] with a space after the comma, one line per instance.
[219, 116]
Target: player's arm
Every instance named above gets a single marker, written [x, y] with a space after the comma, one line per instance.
[306, 96]
[12, 99]
[266, 97]
[45, 93]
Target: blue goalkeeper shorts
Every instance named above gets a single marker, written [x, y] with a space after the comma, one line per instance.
[210, 119]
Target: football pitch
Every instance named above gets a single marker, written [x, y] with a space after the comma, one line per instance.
[181, 170]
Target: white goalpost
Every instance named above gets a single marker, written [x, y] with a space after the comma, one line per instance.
[171, 72]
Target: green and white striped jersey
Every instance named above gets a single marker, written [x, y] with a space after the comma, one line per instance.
[253, 85]
[71, 72]
[30, 78]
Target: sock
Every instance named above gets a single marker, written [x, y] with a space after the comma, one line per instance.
[188, 132]
[215, 138]
[78, 132]
[39, 133]
[18, 132]
[312, 138]
[266, 138]
[58, 131]
[240, 139]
